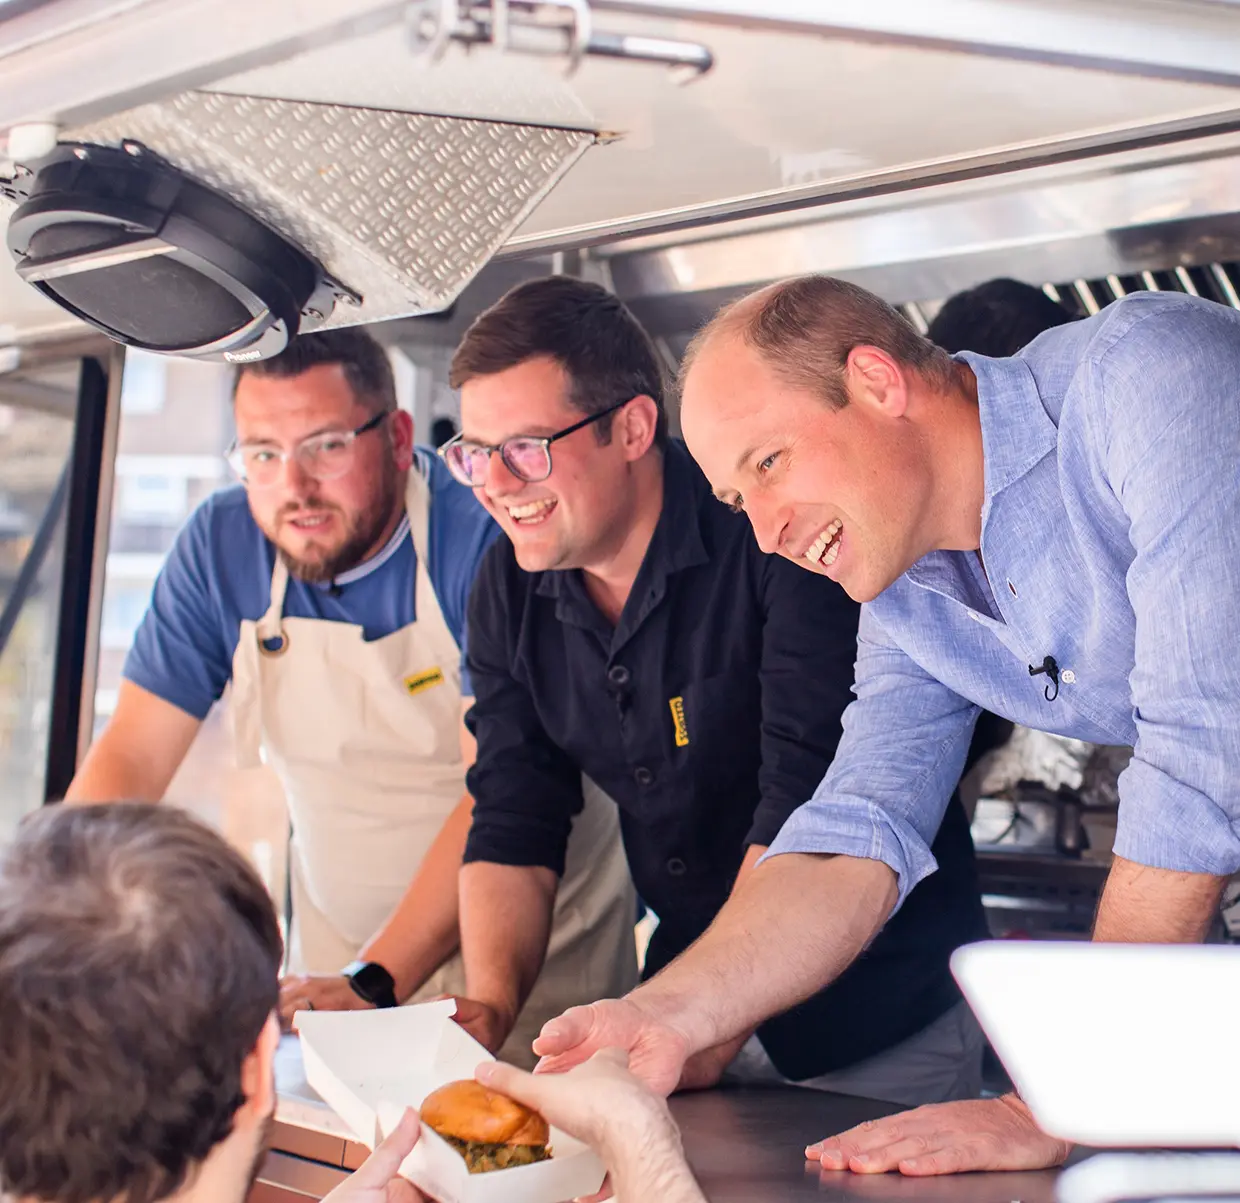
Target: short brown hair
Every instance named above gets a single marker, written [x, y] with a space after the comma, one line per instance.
[363, 361]
[805, 328]
[139, 962]
[587, 330]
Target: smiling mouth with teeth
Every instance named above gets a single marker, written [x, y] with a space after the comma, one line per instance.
[533, 512]
[310, 521]
[826, 547]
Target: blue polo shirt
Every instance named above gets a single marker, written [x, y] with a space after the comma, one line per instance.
[218, 574]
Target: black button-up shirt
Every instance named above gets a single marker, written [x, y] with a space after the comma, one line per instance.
[709, 713]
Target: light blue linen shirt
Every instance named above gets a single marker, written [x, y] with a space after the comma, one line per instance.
[1111, 539]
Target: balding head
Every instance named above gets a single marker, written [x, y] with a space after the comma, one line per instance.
[805, 328]
[811, 405]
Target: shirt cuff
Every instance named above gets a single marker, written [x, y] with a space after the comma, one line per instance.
[508, 838]
[850, 826]
[1166, 824]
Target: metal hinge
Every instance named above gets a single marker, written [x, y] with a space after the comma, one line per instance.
[557, 28]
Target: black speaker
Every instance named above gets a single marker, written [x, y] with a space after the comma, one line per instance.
[154, 259]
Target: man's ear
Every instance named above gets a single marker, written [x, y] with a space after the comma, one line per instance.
[635, 426]
[400, 430]
[258, 1077]
[875, 379]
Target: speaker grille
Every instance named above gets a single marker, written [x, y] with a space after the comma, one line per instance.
[157, 260]
[156, 302]
[72, 237]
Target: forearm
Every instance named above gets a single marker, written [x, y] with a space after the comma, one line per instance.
[137, 753]
[791, 926]
[1156, 906]
[424, 929]
[505, 925]
[112, 773]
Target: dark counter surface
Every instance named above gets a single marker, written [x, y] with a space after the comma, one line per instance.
[747, 1144]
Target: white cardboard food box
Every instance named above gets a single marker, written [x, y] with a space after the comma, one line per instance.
[368, 1066]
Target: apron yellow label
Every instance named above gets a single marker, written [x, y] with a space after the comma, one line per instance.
[678, 721]
[423, 680]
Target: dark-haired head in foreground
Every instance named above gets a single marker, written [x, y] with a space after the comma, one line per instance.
[139, 957]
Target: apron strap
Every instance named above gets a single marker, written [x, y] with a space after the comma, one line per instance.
[272, 637]
[418, 507]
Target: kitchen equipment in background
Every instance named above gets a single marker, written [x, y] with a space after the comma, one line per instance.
[1032, 817]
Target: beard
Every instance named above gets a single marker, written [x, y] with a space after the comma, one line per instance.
[362, 532]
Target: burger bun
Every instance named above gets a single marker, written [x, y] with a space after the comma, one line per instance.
[468, 1111]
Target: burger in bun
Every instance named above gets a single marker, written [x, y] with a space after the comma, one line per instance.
[490, 1130]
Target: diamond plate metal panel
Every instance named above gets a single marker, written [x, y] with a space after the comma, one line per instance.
[403, 208]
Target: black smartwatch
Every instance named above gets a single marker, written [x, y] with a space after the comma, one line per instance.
[370, 981]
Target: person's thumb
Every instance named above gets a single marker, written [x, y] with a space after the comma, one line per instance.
[509, 1080]
[382, 1165]
[565, 1032]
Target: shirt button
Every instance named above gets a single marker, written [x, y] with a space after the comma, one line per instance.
[1068, 677]
[1012, 589]
[617, 674]
[643, 776]
[676, 867]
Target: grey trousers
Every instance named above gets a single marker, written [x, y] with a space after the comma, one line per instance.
[941, 1062]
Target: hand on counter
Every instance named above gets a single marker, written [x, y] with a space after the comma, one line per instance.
[657, 1052]
[317, 992]
[601, 1103]
[945, 1138]
[377, 1181]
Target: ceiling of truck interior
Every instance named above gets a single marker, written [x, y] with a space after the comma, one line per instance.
[912, 167]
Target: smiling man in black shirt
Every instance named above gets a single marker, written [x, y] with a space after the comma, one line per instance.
[633, 631]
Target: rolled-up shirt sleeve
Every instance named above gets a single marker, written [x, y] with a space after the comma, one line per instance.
[526, 790]
[904, 744]
[1173, 461]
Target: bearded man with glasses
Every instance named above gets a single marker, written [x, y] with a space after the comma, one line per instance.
[329, 589]
[632, 629]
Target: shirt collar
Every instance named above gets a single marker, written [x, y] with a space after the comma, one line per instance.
[676, 543]
[1017, 434]
[366, 567]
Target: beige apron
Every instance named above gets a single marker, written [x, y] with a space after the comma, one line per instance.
[365, 738]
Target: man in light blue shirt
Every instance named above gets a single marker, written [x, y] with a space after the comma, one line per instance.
[1052, 537]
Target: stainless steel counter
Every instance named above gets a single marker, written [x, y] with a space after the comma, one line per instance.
[744, 1145]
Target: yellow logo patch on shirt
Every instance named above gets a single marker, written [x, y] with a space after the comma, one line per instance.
[678, 721]
[417, 682]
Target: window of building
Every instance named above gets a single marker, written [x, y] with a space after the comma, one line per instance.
[147, 495]
[37, 413]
